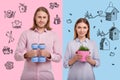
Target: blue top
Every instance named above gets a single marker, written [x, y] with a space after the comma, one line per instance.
[80, 70]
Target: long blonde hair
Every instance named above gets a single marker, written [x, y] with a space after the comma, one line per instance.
[47, 26]
[84, 21]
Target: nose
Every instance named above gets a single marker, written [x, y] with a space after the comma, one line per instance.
[41, 18]
[81, 29]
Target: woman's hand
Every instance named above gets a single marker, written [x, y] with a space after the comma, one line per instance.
[74, 59]
[90, 60]
[77, 57]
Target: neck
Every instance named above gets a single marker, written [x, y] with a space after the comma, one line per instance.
[82, 38]
[41, 30]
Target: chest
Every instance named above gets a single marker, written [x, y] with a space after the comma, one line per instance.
[45, 38]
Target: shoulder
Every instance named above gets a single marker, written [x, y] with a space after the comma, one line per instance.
[92, 42]
[27, 32]
[52, 34]
[71, 42]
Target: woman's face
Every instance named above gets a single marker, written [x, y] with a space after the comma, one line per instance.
[41, 19]
[82, 29]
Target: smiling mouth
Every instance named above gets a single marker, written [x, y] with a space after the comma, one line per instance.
[81, 33]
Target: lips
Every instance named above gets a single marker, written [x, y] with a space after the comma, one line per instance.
[81, 33]
[41, 22]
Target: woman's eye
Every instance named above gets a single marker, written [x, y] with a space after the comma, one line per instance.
[84, 27]
[79, 27]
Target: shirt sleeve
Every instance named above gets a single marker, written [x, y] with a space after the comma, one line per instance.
[67, 56]
[96, 55]
[56, 56]
[20, 49]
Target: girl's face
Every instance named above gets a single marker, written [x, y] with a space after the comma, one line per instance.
[41, 19]
[82, 29]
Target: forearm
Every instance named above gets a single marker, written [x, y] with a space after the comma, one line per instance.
[48, 56]
[92, 62]
[26, 56]
[56, 57]
[19, 57]
[71, 61]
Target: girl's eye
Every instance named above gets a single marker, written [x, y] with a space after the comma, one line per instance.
[84, 27]
[79, 27]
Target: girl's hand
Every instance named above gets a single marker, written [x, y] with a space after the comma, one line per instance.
[90, 60]
[77, 57]
[74, 59]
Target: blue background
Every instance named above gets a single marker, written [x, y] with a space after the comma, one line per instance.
[109, 68]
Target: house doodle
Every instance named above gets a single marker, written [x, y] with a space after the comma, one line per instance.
[114, 33]
[110, 13]
[104, 44]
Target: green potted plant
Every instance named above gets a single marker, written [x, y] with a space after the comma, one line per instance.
[84, 51]
[83, 48]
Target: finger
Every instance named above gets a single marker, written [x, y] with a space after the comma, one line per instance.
[76, 52]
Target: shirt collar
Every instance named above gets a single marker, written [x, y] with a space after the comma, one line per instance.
[36, 30]
[77, 39]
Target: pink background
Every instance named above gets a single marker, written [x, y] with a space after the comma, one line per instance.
[27, 21]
